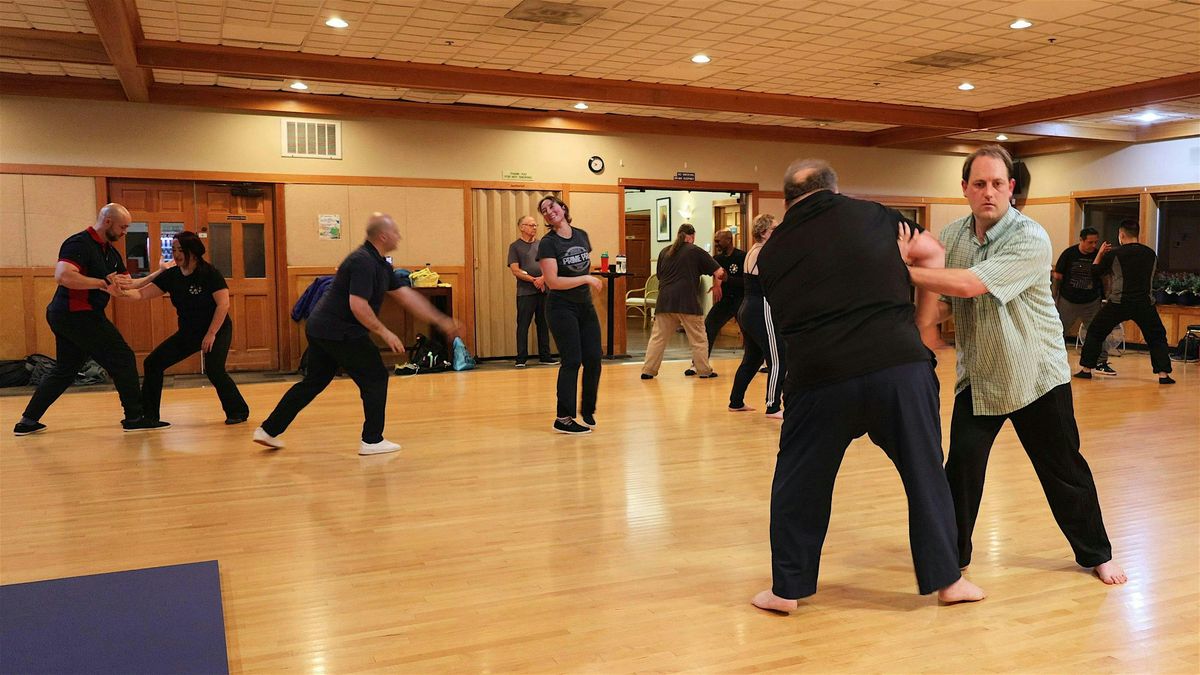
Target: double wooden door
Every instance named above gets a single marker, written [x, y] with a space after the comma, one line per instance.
[238, 233]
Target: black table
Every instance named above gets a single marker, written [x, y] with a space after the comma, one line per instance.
[612, 276]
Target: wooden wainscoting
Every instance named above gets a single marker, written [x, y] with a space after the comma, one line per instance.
[24, 294]
[299, 278]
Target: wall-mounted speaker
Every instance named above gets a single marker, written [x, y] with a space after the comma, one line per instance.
[1021, 175]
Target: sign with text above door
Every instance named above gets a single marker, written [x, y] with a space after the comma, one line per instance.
[685, 175]
[516, 175]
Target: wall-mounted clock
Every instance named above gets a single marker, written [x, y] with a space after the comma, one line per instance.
[596, 164]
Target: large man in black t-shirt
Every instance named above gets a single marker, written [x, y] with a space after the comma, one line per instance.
[1080, 290]
[1132, 267]
[89, 271]
[840, 297]
[338, 332]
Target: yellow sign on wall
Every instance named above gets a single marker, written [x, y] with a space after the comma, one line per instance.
[516, 175]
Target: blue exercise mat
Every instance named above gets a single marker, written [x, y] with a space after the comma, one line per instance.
[157, 620]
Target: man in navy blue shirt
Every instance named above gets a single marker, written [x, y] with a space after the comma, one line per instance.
[338, 332]
[89, 271]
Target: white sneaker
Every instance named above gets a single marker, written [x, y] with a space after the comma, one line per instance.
[381, 448]
[263, 438]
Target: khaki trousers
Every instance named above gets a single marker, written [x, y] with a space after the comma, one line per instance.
[665, 324]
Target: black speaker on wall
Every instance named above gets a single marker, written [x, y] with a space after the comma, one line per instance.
[1021, 175]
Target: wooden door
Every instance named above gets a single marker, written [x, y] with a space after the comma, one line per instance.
[494, 214]
[239, 234]
[637, 248]
[158, 210]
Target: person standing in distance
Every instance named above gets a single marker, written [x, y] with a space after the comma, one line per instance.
[1079, 290]
[531, 292]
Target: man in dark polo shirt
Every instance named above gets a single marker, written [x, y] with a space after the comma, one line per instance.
[1079, 290]
[338, 332]
[840, 297]
[89, 271]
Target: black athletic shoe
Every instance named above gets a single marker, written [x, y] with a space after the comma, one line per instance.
[589, 420]
[235, 420]
[1083, 375]
[144, 425]
[570, 427]
[24, 429]
[548, 362]
[689, 372]
[647, 376]
[708, 376]
[1104, 369]
[1166, 379]
[520, 364]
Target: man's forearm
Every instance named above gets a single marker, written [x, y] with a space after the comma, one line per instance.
[956, 283]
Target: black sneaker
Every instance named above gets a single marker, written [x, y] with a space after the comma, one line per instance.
[235, 420]
[570, 427]
[143, 425]
[1166, 379]
[548, 362]
[520, 364]
[1083, 375]
[689, 372]
[647, 376]
[1104, 369]
[708, 376]
[24, 428]
[589, 420]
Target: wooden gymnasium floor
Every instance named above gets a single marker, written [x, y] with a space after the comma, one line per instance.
[491, 545]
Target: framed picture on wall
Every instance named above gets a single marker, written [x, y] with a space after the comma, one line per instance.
[663, 224]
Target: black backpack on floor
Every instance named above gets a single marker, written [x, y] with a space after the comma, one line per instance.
[14, 373]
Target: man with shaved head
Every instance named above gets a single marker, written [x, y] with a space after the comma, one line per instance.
[338, 332]
[89, 271]
[840, 297]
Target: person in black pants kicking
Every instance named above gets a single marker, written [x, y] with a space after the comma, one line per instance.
[565, 256]
[758, 332]
[1132, 268]
[201, 299]
[838, 289]
[531, 292]
[338, 332]
[89, 271]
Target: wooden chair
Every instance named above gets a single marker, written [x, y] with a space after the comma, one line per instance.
[644, 300]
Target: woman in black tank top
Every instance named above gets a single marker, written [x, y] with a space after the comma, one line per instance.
[760, 339]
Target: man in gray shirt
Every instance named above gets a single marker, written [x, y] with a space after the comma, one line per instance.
[531, 292]
[1012, 364]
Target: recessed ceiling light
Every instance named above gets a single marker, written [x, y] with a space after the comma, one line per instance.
[701, 58]
[1019, 24]
[337, 22]
[581, 106]
[1149, 116]
[1001, 137]
[966, 86]
[299, 86]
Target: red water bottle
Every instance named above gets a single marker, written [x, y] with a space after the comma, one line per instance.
[604, 261]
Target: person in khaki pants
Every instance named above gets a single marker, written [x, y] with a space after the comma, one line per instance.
[680, 267]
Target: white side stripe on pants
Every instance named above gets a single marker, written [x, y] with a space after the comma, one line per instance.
[773, 374]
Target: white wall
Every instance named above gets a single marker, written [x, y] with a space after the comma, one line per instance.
[1161, 163]
[702, 215]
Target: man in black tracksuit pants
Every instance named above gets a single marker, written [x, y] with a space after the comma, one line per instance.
[89, 271]
[840, 296]
[1132, 268]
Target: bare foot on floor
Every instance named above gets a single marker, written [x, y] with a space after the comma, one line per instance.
[771, 602]
[961, 591]
[1110, 573]
[778, 415]
[744, 408]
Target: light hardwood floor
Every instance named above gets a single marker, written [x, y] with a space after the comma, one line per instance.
[491, 545]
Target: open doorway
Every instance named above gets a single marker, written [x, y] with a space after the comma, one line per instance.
[652, 217]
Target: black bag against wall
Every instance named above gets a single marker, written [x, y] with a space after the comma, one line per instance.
[425, 356]
[39, 366]
[1188, 349]
[14, 373]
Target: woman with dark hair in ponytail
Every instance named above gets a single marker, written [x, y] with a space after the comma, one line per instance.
[680, 267]
[201, 298]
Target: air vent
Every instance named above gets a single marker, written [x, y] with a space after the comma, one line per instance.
[558, 13]
[949, 59]
[306, 138]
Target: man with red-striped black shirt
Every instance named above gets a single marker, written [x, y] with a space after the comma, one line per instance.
[89, 271]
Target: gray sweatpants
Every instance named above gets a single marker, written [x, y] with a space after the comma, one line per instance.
[1070, 313]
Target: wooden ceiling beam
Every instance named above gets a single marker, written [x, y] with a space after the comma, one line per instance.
[12, 84]
[1069, 130]
[120, 30]
[1169, 130]
[379, 72]
[903, 135]
[1052, 146]
[1092, 102]
[44, 45]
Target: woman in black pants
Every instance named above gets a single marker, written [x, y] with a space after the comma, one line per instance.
[760, 339]
[201, 298]
[565, 256]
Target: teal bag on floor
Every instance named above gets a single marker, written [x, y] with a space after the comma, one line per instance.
[462, 359]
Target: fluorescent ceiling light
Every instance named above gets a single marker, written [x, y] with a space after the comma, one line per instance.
[701, 58]
[1149, 116]
[581, 106]
[337, 22]
[1019, 24]
[1001, 137]
[299, 86]
[966, 86]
